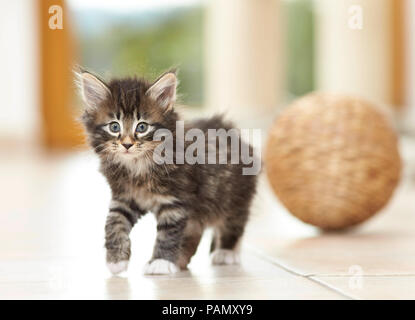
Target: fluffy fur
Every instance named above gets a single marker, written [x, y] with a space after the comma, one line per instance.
[184, 198]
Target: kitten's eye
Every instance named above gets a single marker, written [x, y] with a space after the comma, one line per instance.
[141, 127]
[114, 127]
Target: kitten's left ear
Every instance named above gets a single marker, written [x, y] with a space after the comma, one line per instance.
[93, 90]
[164, 90]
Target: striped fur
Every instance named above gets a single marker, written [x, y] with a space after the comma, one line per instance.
[185, 198]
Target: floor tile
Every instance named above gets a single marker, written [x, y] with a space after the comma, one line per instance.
[381, 246]
[373, 287]
[52, 234]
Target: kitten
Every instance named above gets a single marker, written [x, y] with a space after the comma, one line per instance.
[121, 118]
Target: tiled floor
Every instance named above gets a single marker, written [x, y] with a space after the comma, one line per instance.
[375, 261]
[51, 245]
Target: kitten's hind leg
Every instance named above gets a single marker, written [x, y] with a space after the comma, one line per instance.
[213, 243]
[119, 223]
[225, 243]
[190, 242]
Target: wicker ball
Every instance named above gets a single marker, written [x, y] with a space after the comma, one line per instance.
[333, 161]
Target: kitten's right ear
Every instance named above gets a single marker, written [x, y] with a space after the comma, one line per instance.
[93, 90]
[164, 90]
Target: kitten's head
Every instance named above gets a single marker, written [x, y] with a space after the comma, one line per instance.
[122, 115]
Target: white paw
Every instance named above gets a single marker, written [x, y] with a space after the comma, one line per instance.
[225, 256]
[117, 267]
[160, 266]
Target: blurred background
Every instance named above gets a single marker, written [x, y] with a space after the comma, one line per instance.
[249, 58]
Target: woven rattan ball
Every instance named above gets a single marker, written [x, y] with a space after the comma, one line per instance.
[332, 160]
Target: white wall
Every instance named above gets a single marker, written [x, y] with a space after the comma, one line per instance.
[244, 60]
[410, 63]
[18, 66]
[355, 61]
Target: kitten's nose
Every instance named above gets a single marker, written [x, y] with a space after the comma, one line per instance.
[127, 145]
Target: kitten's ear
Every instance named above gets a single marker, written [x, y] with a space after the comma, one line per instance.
[93, 90]
[164, 90]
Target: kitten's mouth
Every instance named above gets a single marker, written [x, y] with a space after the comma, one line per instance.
[127, 153]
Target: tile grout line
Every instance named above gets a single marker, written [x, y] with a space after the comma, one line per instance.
[309, 277]
[264, 256]
[330, 287]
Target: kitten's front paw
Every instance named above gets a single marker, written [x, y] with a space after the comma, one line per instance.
[160, 266]
[117, 267]
[225, 257]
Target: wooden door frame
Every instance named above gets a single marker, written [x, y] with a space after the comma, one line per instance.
[57, 52]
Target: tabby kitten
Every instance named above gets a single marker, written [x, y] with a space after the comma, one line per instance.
[121, 118]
